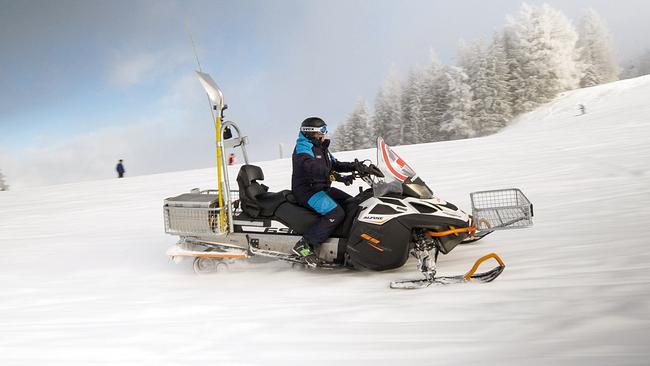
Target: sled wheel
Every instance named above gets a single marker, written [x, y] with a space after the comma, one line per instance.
[221, 267]
[205, 265]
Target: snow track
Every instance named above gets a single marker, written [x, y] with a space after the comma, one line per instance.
[85, 280]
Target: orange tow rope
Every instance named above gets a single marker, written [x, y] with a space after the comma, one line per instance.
[469, 274]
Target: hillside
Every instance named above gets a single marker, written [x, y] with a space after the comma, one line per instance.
[85, 279]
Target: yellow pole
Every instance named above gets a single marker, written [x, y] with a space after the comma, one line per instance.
[222, 216]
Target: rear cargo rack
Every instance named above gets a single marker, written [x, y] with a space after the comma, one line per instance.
[194, 214]
[501, 209]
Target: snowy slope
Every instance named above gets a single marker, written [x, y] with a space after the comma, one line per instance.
[85, 280]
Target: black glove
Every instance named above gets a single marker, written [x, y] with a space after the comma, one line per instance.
[336, 177]
[347, 180]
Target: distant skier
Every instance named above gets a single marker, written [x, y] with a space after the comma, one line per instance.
[231, 159]
[582, 108]
[120, 169]
[314, 169]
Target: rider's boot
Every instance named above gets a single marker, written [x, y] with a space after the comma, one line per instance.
[304, 250]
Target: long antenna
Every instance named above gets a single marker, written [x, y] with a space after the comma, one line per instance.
[189, 33]
[196, 55]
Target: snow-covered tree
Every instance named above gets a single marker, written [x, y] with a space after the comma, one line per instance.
[472, 58]
[543, 61]
[498, 104]
[335, 141]
[340, 139]
[358, 127]
[412, 108]
[387, 120]
[434, 100]
[595, 51]
[456, 122]
[487, 73]
[3, 185]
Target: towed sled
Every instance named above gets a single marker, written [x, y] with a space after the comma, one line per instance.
[395, 218]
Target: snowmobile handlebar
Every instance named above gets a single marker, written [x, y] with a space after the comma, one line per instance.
[366, 170]
[361, 170]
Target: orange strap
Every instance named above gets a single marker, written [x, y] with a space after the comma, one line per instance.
[469, 274]
[470, 229]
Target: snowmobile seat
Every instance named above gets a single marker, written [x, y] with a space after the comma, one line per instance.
[270, 201]
[255, 198]
[298, 218]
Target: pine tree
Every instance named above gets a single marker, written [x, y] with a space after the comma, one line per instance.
[497, 76]
[341, 138]
[595, 50]
[487, 72]
[3, 185]
[457, 122]
[473, 60]
[335, 141]
[387, 120]
[358, 127]
[435, 98]
[541, 48]
[412, 108]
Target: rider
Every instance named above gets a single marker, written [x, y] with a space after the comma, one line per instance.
[314, 169]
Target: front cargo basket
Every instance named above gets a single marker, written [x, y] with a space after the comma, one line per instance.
[501, 209]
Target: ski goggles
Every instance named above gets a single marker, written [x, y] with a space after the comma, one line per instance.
[322, 129]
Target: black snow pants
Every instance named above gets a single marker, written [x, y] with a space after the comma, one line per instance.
[327, 204]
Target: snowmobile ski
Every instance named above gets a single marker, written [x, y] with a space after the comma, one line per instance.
[448, 280]
[469, 277]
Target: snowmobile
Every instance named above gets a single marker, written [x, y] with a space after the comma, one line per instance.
[396, 217]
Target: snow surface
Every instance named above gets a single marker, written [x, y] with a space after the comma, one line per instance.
[84, 278]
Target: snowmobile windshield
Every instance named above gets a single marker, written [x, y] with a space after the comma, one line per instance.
[416, 188]
[399, 177]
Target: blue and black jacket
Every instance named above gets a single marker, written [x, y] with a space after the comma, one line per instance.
[312, 164]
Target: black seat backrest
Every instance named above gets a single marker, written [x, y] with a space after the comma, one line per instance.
[249, 188]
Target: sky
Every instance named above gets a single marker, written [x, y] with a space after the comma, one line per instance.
[85, 83]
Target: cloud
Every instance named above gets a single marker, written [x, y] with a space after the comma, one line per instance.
[129, 68]
[175, 138]
[126, 72]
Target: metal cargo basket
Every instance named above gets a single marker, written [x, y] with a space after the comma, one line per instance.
[192, 214]
[501, 209]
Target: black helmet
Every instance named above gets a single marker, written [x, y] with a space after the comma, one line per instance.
[312, 125]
